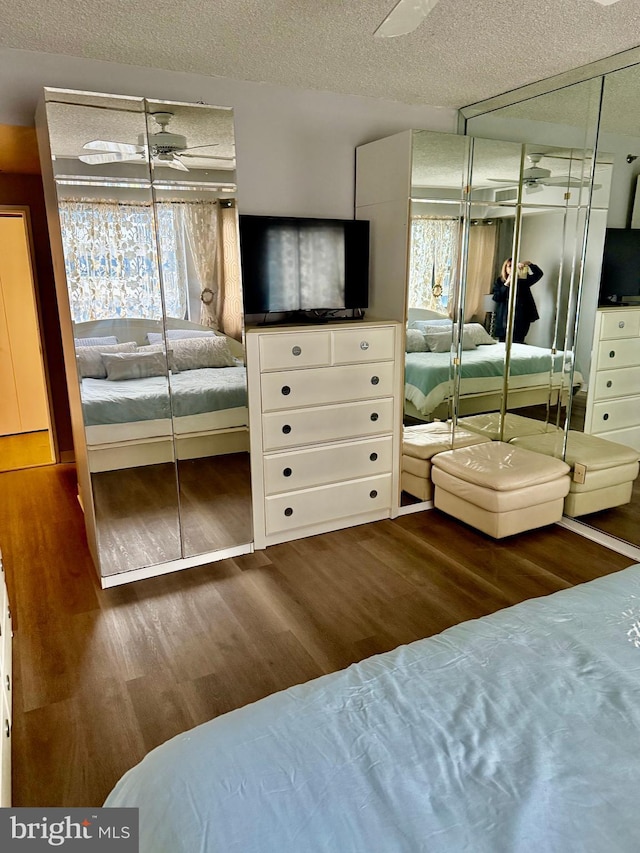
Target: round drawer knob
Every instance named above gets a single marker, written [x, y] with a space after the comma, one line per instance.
[288, 512]
[609, 384]
[373, 493]
[373, 457]
[375, 380]
[364, 345]
[287, 472]
[286, 429]
[374, 416]
[612, 354]
[296, 351]
[285, 390]
[621, 324]
[605, 417]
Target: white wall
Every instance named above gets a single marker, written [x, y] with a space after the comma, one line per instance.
[295, 148]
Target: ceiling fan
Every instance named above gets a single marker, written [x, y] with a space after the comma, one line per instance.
[407, 15]
[536, 177]
[165, 148]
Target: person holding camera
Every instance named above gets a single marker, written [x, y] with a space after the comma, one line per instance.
[526, 312]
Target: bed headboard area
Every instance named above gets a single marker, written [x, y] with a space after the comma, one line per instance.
[134, 329]
[424, 314]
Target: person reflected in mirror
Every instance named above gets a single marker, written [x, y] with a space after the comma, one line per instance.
[526, 312]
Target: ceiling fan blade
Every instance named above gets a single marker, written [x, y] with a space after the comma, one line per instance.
[195, 147]
[96, 159]
[171, 162]
[113, 147]
[405, 17]
[512, 181]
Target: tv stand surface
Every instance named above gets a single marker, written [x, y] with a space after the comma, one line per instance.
[303, 319]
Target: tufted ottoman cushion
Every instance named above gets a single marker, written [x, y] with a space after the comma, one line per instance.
[420, 444]
[603, 471]
[500, 489]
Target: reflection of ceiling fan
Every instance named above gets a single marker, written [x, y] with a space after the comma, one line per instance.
[535, 177]
[407, 15]
[166, 148]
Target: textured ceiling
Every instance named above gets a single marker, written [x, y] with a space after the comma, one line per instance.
[463, 52]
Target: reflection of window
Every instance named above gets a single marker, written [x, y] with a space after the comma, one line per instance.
[111, 263]
[432, 262]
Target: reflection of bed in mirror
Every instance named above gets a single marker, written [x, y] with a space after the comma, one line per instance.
[129, 421]
[536, 375]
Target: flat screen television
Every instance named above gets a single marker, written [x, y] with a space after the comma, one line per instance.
[300, 265]
[620, 278]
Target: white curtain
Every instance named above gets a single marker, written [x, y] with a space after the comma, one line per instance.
[111, 262]
[432, 263]
[200, 222]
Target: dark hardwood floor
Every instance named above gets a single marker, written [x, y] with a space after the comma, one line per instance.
[103, 676]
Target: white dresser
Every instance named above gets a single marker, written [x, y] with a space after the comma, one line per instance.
[613, 401]
[7, 685]
[325, 417]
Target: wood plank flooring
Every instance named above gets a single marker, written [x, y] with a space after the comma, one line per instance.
[25, 450]
[102, 676]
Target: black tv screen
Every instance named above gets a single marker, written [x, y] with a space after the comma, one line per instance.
[620, 277]
[297, 264]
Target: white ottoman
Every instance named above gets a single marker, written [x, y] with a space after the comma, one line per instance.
[603, 471]
[514, 425]
[419, 444]
[500, 489]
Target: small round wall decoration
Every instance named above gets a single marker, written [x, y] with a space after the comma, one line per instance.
[207, 296]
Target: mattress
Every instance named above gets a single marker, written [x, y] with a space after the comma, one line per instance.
[193, 392]
[429, 375]
[507, 734]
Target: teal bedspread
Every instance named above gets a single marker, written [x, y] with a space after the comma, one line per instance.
[513, 733]
[429, 377]
[193, 392]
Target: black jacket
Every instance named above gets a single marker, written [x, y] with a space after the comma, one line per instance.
[526, 311]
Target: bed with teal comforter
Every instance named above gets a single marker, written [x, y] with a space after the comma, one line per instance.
[429, 375]
[514, 733]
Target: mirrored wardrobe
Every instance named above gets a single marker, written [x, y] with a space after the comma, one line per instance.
[141, 199]
[598, 114]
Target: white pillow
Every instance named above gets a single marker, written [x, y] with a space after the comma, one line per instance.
[160, 348]
[477, 334]
[134, 365]
[89, 359]
[178, 335]
[200, 352]
[415, 341]
[441, 341]
[107, 340]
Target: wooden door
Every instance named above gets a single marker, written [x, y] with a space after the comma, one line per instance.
[23, 394]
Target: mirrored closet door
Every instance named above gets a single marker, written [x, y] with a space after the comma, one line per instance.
[578, 119]
[141, 203]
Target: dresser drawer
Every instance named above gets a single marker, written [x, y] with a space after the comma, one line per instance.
[366, 344]
[615, 414]
[295, 349]
[629, 436]
[327, 423]
[622, 353]
[327, 503]
[318, 386]
[318, 466]
[620, 324]
[617, 383]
